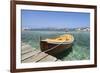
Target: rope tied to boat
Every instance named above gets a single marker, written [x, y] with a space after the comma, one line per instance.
[54, 47]
[68, 36]
[50, 48]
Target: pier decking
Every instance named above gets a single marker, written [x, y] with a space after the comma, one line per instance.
[29, 54]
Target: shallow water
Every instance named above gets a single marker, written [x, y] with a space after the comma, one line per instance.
[80, 48]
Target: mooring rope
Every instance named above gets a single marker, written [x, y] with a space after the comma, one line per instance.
[50, 48]
[53, 47]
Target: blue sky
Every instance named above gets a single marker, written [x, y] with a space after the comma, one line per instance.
[54, 19]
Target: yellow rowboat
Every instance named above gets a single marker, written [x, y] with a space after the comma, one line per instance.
[57, 45]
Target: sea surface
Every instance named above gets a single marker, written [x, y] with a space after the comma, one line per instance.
[81, 45]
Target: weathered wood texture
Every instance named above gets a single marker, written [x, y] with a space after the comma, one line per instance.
[29, 54]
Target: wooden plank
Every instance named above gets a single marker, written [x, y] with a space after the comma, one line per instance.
[22, 44]
[26, 51]
[48, 58]
[29, 54]
[35, 57]
[58, 60]
[25, 47]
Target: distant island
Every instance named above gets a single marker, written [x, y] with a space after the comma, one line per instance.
[57, 29]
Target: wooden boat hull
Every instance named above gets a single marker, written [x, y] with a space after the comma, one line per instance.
[45, 46]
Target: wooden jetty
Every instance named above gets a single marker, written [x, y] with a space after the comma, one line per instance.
[29, 54]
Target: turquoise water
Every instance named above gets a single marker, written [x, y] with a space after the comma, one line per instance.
[81, 45]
